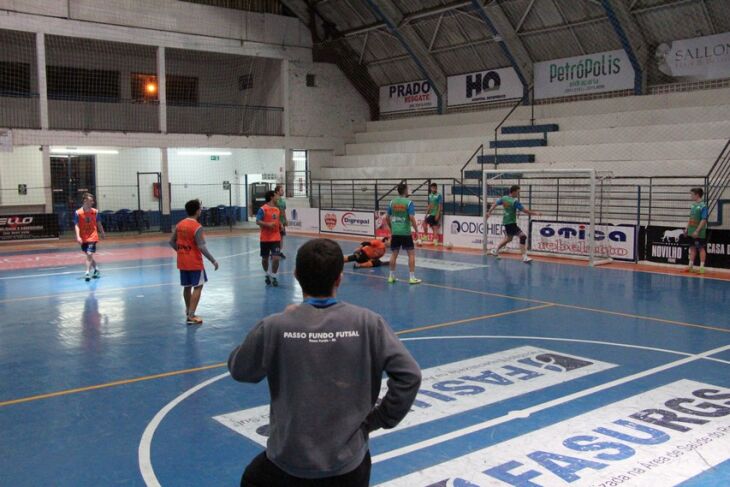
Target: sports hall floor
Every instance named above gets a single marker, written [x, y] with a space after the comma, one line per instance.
[536, 375]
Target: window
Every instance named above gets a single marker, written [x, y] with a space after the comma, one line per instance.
[245, 82]
[65, 83]
[181, 90]
[14, 79]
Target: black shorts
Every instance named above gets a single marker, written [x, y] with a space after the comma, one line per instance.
[88, 247]
[262, 472]
[698, 243]
[359, 257]
[404, 242]
[432, 222]
[270, 249]
[511, 229]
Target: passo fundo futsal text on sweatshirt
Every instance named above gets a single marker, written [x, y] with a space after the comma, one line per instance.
[324, 367]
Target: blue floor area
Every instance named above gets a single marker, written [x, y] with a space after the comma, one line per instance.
[635, 389]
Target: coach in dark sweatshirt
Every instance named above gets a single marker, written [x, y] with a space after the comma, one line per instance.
[324, 361]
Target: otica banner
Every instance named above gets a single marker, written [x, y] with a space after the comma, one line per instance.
[484, 86]
[403, 97]
[696, 59]
[580, 75]
[570, 238]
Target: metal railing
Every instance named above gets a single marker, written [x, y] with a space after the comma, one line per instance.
[718, 179]
[659, 200]
[298, 184]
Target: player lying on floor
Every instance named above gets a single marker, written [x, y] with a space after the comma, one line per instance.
[368, 254]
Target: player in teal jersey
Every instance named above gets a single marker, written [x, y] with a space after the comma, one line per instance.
[433, 214]
[511, 205]
[697, 229]
[400, 219]
[281, 204]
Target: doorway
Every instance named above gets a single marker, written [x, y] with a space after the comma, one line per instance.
[71, 177]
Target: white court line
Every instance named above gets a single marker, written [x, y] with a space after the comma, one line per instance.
[110, 269]
[525, 413]
[144, 453]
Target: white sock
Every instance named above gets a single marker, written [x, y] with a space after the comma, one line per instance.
[392, 274]
[413, 275]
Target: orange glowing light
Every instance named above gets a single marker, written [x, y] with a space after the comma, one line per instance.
[151, 87]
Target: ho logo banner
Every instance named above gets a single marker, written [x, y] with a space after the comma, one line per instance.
[675, 432]
[484, 86]
[616, 241]
[458, 387]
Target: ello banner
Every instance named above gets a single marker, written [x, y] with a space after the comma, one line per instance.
[594, 73]
[699, 58]
[28, 227]
[403, 97]
[616, 241]
[484, 86]
[669, 245]
[347, 222]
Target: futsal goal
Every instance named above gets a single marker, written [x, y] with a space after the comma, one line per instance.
[574, 213]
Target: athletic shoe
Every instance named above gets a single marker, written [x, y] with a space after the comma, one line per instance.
[689, 269]
[413, 280]
[194, 320]
[526, 259]
[356, 266]
[702, 270]
[494, 253]
[436, 243]
[268, 281]
[282, 256]
[391, 280]
[97, 274]
[87, 277]
[274, 282]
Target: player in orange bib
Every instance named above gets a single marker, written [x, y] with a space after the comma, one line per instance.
[368, 254]
[88, 229]
[188, 240]
[268, 218]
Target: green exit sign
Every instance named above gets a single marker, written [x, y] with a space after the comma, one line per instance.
[215, 158]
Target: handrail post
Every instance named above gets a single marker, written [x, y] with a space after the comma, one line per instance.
[377, 201]
[638, 204]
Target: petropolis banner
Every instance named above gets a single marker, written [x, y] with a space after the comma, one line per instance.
[699, 58]
[484, 86]
[402, 97]
[593, 73]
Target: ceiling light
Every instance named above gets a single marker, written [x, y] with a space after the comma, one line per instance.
[86, 151]
[203, 153]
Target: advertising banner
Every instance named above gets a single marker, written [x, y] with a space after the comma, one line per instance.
[382, 229]
[347, 222]
[630, 442]
[484, 86]
[616, 241]
[593, 73]
[468, 231]
[669, 245]
[696, 59]
[28, 227]
[302, 220]
[403, 97]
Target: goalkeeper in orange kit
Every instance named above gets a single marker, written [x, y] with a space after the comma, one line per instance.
[368, 254]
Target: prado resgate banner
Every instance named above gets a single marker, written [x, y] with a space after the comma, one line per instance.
[580, 75]
[403, 97]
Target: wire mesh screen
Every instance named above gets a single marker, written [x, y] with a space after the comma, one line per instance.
[21, 178]
[19, 102]
[213, 93]
[92, 85]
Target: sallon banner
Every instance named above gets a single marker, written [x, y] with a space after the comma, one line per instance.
[696, 59]
[593, 73]
[302, 220]
[403, 97]
[347, 222]
[468, 231]
[28, 227]
[664, 436]
[484, 86]
[454, 388]
[571, 238]
[669, 245]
